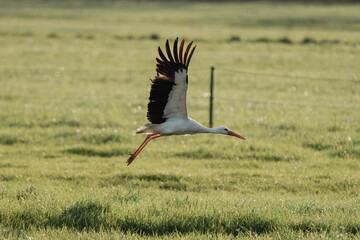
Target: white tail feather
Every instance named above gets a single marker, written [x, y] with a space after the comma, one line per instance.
[145, 129]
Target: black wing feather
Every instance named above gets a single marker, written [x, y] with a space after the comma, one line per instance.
[159, 93]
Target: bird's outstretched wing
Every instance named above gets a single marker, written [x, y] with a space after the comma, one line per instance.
[168, 90]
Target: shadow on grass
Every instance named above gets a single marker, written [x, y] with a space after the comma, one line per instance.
[202, 153]
[73, 179]
[336, 148]
[86, 214]
[94, 215]
[7, 177]
[162, 181]
[200, 224]
[283, 40]
[349, 152]
[323, 21]
[91, 152]
[102, 138]
[153, 36]
[60, 123]
[7, 139]
[253, 152]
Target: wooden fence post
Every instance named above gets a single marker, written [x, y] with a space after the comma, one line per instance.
[211, 96]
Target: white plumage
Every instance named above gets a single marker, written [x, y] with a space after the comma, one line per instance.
[176, 105]
[167, 102]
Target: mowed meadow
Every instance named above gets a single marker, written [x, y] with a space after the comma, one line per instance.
[74, 84]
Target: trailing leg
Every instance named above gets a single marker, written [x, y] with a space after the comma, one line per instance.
[141, 147]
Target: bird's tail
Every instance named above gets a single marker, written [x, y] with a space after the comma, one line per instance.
[145, 129]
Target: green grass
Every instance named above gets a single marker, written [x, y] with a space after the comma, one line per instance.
[74, 87]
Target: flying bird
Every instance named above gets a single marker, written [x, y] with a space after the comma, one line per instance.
[167, 111]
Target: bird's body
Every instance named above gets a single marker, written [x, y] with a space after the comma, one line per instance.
[167, 110]
[178, 126]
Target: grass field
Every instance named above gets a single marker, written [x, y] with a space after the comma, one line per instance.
[74, 87]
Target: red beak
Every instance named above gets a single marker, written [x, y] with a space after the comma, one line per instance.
[235, 135]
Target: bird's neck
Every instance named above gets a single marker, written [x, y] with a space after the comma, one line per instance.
[203, 129]
[198, 128]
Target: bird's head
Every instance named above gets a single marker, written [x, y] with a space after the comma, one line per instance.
[226, 131]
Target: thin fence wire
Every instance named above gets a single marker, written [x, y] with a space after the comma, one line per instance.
[142, 70]
[286, 76]
[295, 104]
[125, 70]
[85, 70]
[282, 104]
[344, 106]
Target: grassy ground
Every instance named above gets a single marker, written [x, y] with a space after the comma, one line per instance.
[74, 87]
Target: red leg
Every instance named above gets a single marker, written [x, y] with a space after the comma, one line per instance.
[141, 147]
[147, 137]
[144, 142]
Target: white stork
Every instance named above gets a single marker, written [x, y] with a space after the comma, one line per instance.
[167, 102]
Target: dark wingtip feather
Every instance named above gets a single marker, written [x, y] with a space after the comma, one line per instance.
[175, 51]
[181, 50]
[162, 70]
[175, 59]
[162, 56]
[169, 52]
[159, 61]
[188, 60]
[187, 52]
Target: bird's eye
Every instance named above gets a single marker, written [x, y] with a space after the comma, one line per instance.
[226, 129]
